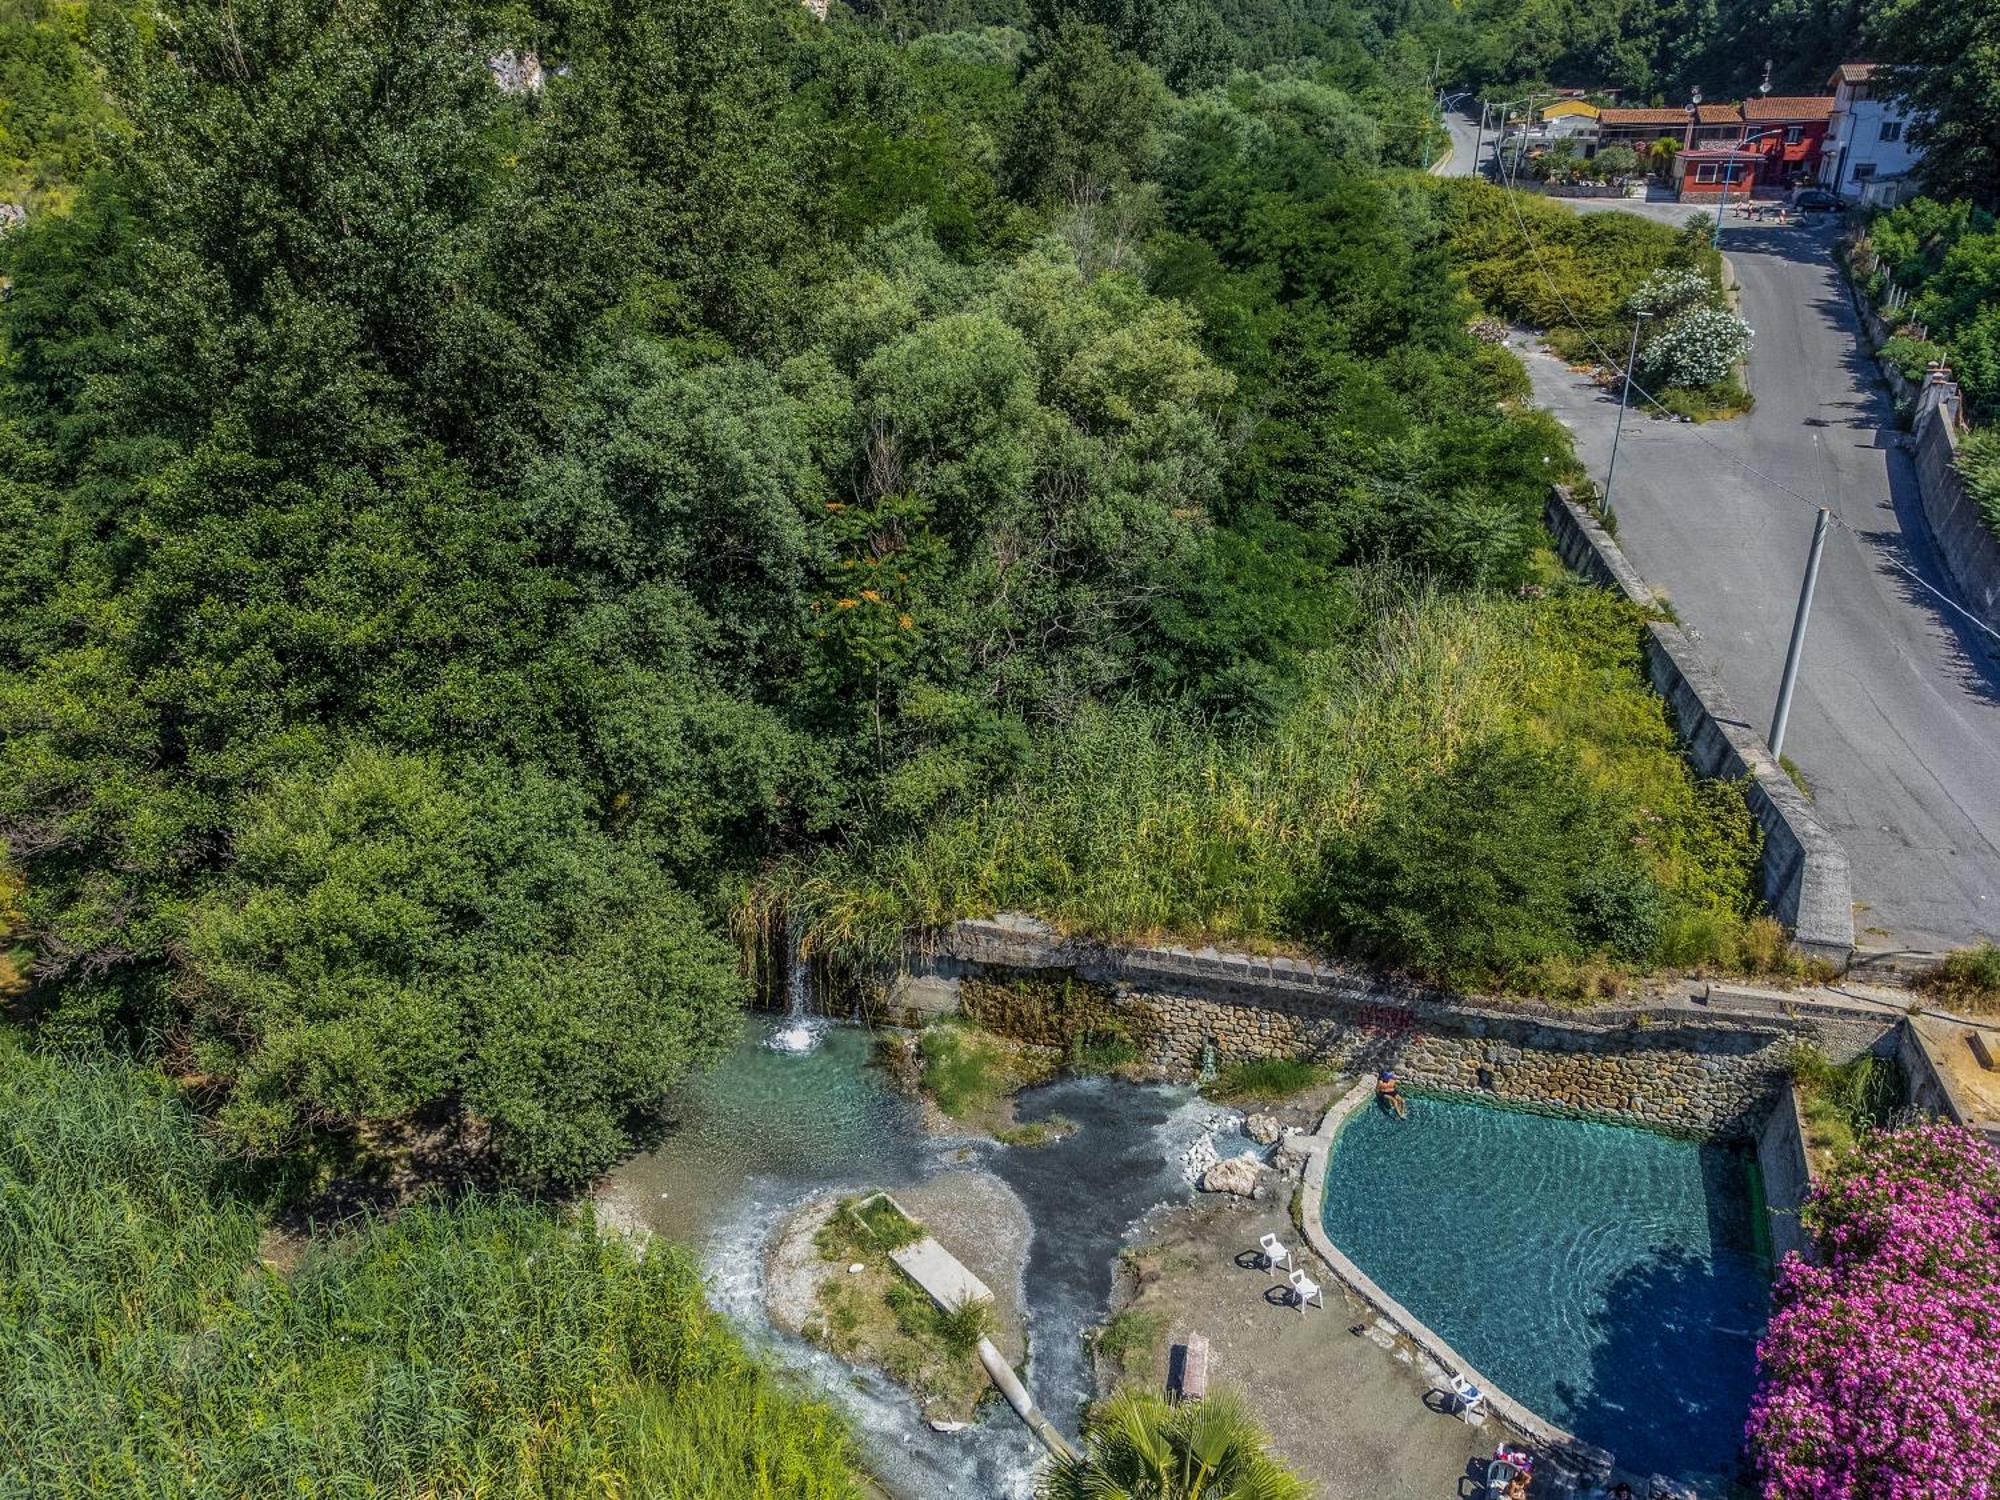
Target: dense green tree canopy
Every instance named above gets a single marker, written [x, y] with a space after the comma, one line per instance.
[461, 535]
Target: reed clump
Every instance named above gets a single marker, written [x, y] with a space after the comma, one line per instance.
[488, 1346]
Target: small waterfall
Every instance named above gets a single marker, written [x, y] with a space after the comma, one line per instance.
[802, 1028]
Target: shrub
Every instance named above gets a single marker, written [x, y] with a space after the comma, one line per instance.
[1880, 1370]
[1505, 859]
[1614, 162]
[1911, 356]
[1968, 979]
[1979, 465]
[1672, 290]
[1698, 347]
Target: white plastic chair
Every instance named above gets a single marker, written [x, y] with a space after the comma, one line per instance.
[1274, 1252]
[1304, 1290]
[1470, 1398]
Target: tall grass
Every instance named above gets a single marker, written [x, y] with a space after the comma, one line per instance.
[1136, 823]
[1968, 979]
[489, 1347]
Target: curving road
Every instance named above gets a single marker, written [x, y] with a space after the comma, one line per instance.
[1464, 129]
[1896, 723]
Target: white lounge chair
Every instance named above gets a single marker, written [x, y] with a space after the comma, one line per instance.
[1304, 1290]
[1469, 1398]
[1274, 1252]
[1499, 1474]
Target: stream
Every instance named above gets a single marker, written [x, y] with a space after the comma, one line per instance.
[773, 1125]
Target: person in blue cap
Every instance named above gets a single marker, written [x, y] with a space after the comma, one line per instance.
[1389, 1096]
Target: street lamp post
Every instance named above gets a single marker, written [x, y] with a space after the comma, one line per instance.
[1783, 716]
[1631, 355]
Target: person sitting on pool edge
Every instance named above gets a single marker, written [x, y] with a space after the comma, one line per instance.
[1387, 1095]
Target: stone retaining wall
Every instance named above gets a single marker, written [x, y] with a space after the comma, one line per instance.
[1803, 873]
[1681, 1066]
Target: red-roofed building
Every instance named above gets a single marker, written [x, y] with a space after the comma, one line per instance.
[1789, 132]
[1638, 128]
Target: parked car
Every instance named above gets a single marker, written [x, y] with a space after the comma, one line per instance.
[1814, 200]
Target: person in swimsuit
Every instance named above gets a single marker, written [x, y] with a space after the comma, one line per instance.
[1389, 1096]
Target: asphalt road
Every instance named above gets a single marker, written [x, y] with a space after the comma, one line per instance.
[1896, 722]
[1463, 131]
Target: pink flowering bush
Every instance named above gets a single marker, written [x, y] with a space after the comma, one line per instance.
[1880, 1372]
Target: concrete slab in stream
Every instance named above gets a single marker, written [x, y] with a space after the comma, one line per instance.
[939, 1273]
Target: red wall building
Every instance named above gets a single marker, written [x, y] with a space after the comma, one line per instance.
[1712, 171]
[1791, 152]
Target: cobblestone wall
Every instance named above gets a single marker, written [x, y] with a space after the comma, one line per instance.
[1679, 1067]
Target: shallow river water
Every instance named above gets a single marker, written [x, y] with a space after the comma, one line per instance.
[770, 1128]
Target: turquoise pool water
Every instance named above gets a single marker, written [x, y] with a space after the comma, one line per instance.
[1605, 1276]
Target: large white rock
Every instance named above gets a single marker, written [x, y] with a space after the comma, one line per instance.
[1239, 1175]
[1263, 1129]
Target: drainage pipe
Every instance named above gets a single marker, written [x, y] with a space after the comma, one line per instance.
[1003, 1376]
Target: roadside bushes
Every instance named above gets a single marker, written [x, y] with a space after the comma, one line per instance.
[1881, 1367]
[1692, 341]
[1946, 255]
[1581, 266]
[150, 1343]
[1520, 725]
[1979, 464]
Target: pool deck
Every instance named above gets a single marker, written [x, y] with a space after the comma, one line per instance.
[1351, 1407]
[1544, 1434]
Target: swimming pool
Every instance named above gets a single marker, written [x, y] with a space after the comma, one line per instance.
[1606, 1277]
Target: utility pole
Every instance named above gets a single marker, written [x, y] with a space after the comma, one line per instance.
[1479, 136]
[1793, 652]
[1617, 432]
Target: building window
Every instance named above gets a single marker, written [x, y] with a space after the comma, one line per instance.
[1794, 134]
[1892, 130]
[1863, 170]
[1706, 172]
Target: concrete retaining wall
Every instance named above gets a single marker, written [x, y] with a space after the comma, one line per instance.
[1804, 873]
[1967, 545]
[1706, 1069]
[1788, 1175]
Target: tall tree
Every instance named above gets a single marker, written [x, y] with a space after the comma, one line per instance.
[1945, 61]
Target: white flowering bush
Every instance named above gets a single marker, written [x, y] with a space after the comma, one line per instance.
[1696, 347]
[1671, 290]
